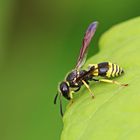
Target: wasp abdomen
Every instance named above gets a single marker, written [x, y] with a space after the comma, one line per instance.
[108, 69]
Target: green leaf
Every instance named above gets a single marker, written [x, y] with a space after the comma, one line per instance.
[114, 114]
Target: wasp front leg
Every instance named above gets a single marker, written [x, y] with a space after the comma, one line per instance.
[77, 89]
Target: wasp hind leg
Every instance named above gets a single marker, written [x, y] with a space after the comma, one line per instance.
[110, 81]
[87, 86]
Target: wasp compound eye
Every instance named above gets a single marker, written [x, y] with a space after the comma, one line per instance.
[64, 88]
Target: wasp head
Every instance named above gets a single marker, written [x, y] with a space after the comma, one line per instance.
[63, 91]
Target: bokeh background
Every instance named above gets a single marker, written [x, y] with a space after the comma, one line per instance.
[39, 44]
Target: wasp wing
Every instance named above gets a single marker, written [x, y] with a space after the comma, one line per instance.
[87, 38]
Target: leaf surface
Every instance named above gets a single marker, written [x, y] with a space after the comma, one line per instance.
[114, 114]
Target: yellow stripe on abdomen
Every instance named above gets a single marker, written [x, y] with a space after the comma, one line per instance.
[117, 70]
[114, 70]
[95, 72]
[109, 72]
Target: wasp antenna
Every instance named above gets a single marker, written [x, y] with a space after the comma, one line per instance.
[55, 98]
[61, 110]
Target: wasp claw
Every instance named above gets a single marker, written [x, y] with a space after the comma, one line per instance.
[92, 97]
[124, 85]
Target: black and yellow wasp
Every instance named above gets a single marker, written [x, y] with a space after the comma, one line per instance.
[78, 77]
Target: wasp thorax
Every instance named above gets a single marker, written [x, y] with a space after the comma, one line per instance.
[73, 76]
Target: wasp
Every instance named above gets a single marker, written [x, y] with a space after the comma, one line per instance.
[79, 77]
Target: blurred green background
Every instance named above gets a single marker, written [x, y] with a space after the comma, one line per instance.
[39, 44]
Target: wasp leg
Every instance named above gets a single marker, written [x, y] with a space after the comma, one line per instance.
[96, 80]
[112, 81]
[71, 97]
[77, 89]
[87, 86]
